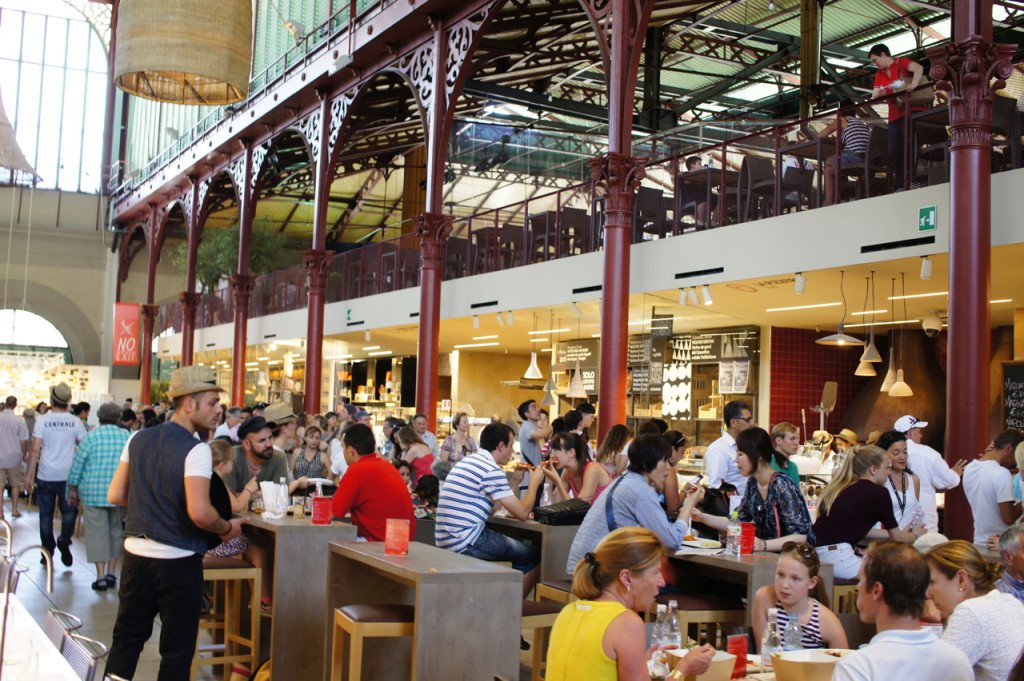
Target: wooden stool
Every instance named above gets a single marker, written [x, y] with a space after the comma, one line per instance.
[554, 590]
[228, 576]
[540, 617]
[367, 621]
[844, 596]
[705, 614]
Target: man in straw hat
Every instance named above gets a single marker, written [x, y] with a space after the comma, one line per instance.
[164, 479]
[54, 439]
[845, 439]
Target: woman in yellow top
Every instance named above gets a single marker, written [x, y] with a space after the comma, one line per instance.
[600, 637]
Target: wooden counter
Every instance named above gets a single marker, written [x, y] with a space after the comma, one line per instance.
[467, 612]
[297, 553]
[751, 571]
[554, 542]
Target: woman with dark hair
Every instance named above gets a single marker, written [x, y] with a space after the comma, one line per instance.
[405, 470]
[611, 453]
[903, 485]
[586, 479]
[677, 441]
[415, 451]
[772, 501]
[600, 637]
[424, 496]
[631, 500]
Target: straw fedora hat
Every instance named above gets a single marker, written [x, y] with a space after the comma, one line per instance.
[60, 393]
[191, 380]
[848, 436]
[279, 413]
[821, 438]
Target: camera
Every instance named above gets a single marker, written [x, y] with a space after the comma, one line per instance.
[932, 324]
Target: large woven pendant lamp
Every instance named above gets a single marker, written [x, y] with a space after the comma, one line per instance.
[184, 51]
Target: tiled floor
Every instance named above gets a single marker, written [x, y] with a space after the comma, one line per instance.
[72, 592]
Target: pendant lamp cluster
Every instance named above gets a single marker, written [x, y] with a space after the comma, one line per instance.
[870, 356]
[840, 338]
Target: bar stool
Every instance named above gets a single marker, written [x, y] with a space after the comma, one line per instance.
[704, 614]
[367, 621]
[539, 616]
[228, 576]
[844, 596]
[554, 590]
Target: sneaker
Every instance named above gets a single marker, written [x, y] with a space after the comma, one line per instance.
[100, 584]
[111, 580]
[65, 552]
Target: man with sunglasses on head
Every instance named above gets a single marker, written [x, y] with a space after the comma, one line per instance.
[720, 457]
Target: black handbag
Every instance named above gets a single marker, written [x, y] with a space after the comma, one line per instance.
[568, 512]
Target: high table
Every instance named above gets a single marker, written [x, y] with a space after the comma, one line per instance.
[554, 541]
[467, 612]
[28, 654]
[297, 552]
[752, 571]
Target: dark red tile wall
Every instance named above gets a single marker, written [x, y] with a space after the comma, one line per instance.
[799, 369]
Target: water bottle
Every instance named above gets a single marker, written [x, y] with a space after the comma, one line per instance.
[771, 642]
[282, 499]
[917, 519]
[545, 495]
[792, 637]
[732, 541]
[671, 636]
[659, 660]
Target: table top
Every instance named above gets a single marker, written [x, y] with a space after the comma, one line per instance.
[809, 148]
[705, 175]
[938, 115]
[531, 525]
[745, 563]
[424, 563]
[304, 524]
[27, 651]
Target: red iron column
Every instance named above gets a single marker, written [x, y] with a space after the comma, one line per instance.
[189, 304]
[149, 313]
[318, 262]
[970, 69]
[433, 230]
[242, 283]
[189, 298]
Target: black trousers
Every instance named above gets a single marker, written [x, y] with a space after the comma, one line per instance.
[170, 588]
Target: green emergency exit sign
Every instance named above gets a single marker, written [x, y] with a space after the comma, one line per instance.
[926, 220]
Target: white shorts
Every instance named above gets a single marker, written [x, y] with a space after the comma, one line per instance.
[844, 561]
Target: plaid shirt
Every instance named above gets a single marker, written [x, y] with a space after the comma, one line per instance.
[95, 462]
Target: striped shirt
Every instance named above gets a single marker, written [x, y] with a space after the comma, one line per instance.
[856, 136]
[810, 633]
[95, 462]
[467, 498]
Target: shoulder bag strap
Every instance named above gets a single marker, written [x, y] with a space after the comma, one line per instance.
[609, 513]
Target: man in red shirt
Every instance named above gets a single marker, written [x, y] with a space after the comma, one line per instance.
[899, 75]
[372, 489]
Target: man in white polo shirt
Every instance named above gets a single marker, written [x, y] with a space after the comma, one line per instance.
[988, 486]
[720, 457]
[930, 468]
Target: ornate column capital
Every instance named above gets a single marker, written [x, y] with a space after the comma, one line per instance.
[241, 287]
[189, 299]
[149, 313]
[618, 176]
[970, 72]
[433, 230]
[317, 263]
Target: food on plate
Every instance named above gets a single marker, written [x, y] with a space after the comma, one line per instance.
[690, 537]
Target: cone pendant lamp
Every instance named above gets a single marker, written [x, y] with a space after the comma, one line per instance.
[865, 369]
[533, 371]
[900, 387]
[890, 374]
[576, 388]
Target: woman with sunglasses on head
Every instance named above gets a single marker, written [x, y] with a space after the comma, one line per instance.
[772, 501]
[586, 479]
[852, 504]
[799, 592]
[601, 637]
[903, 485]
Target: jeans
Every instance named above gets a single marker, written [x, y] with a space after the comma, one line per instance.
[47, 494]
[495, 546]
[170, 588]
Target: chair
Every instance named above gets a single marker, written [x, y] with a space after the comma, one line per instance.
[857, 632]
[844, 596]
[540, 617]
[649, 214]
[542, 236]
[760, 192]
[229, 576]
[554, 590]
[57, 624]
[732, 204]
[9, 566]
[797, 188]
[366, 621]
[705, 617]
[872, 172]
[82, 654]
[575, 231]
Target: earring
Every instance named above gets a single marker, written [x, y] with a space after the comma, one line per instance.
[629, 587]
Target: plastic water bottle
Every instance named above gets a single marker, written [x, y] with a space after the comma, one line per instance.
[732, 540]
[771, 642]
[671, 636]
[282, 499]
[659, 660]
[917, 519]
[792, 637]
[659, 623]
[545, 496]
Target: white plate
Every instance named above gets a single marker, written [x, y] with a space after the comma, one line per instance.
[703, 544]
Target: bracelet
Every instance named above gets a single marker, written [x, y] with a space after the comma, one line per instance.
[675, 675]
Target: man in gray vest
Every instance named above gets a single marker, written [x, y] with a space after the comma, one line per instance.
[164, 479]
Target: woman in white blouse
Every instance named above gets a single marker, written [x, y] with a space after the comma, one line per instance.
[985, 623]
[903, 485]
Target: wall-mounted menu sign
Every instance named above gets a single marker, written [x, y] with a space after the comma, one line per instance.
[705, 348]
[731, 349]
[1013, 395]
[645, 356]
[587, 353]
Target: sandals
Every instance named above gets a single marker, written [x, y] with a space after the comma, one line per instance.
[100, 584]
[266, 607]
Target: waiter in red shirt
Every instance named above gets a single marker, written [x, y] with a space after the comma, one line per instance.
[899, 75]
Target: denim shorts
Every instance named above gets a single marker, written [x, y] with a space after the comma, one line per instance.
[495, 546]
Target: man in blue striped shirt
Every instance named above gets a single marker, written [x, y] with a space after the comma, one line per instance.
[474, 488]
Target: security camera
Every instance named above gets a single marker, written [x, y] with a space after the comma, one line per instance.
[932, 324]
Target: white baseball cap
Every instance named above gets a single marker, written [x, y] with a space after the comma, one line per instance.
[905, 423]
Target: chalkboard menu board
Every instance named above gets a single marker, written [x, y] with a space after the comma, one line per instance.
[1013, 395]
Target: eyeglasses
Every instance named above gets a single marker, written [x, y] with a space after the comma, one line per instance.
[748, 419]
[803, 548]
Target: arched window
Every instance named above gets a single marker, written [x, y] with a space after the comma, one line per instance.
[23, 328]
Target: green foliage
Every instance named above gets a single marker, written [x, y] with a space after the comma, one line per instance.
[158, 391]
[217, 256]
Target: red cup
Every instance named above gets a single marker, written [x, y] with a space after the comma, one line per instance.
[747, 535]
[396, 537]
[322, 510]
[737, 645]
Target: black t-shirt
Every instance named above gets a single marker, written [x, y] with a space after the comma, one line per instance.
[856, 510]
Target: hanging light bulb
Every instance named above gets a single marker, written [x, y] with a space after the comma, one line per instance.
[890, 374]
[576, 388]
[900, 387]
[533, 371]
[865, 369]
